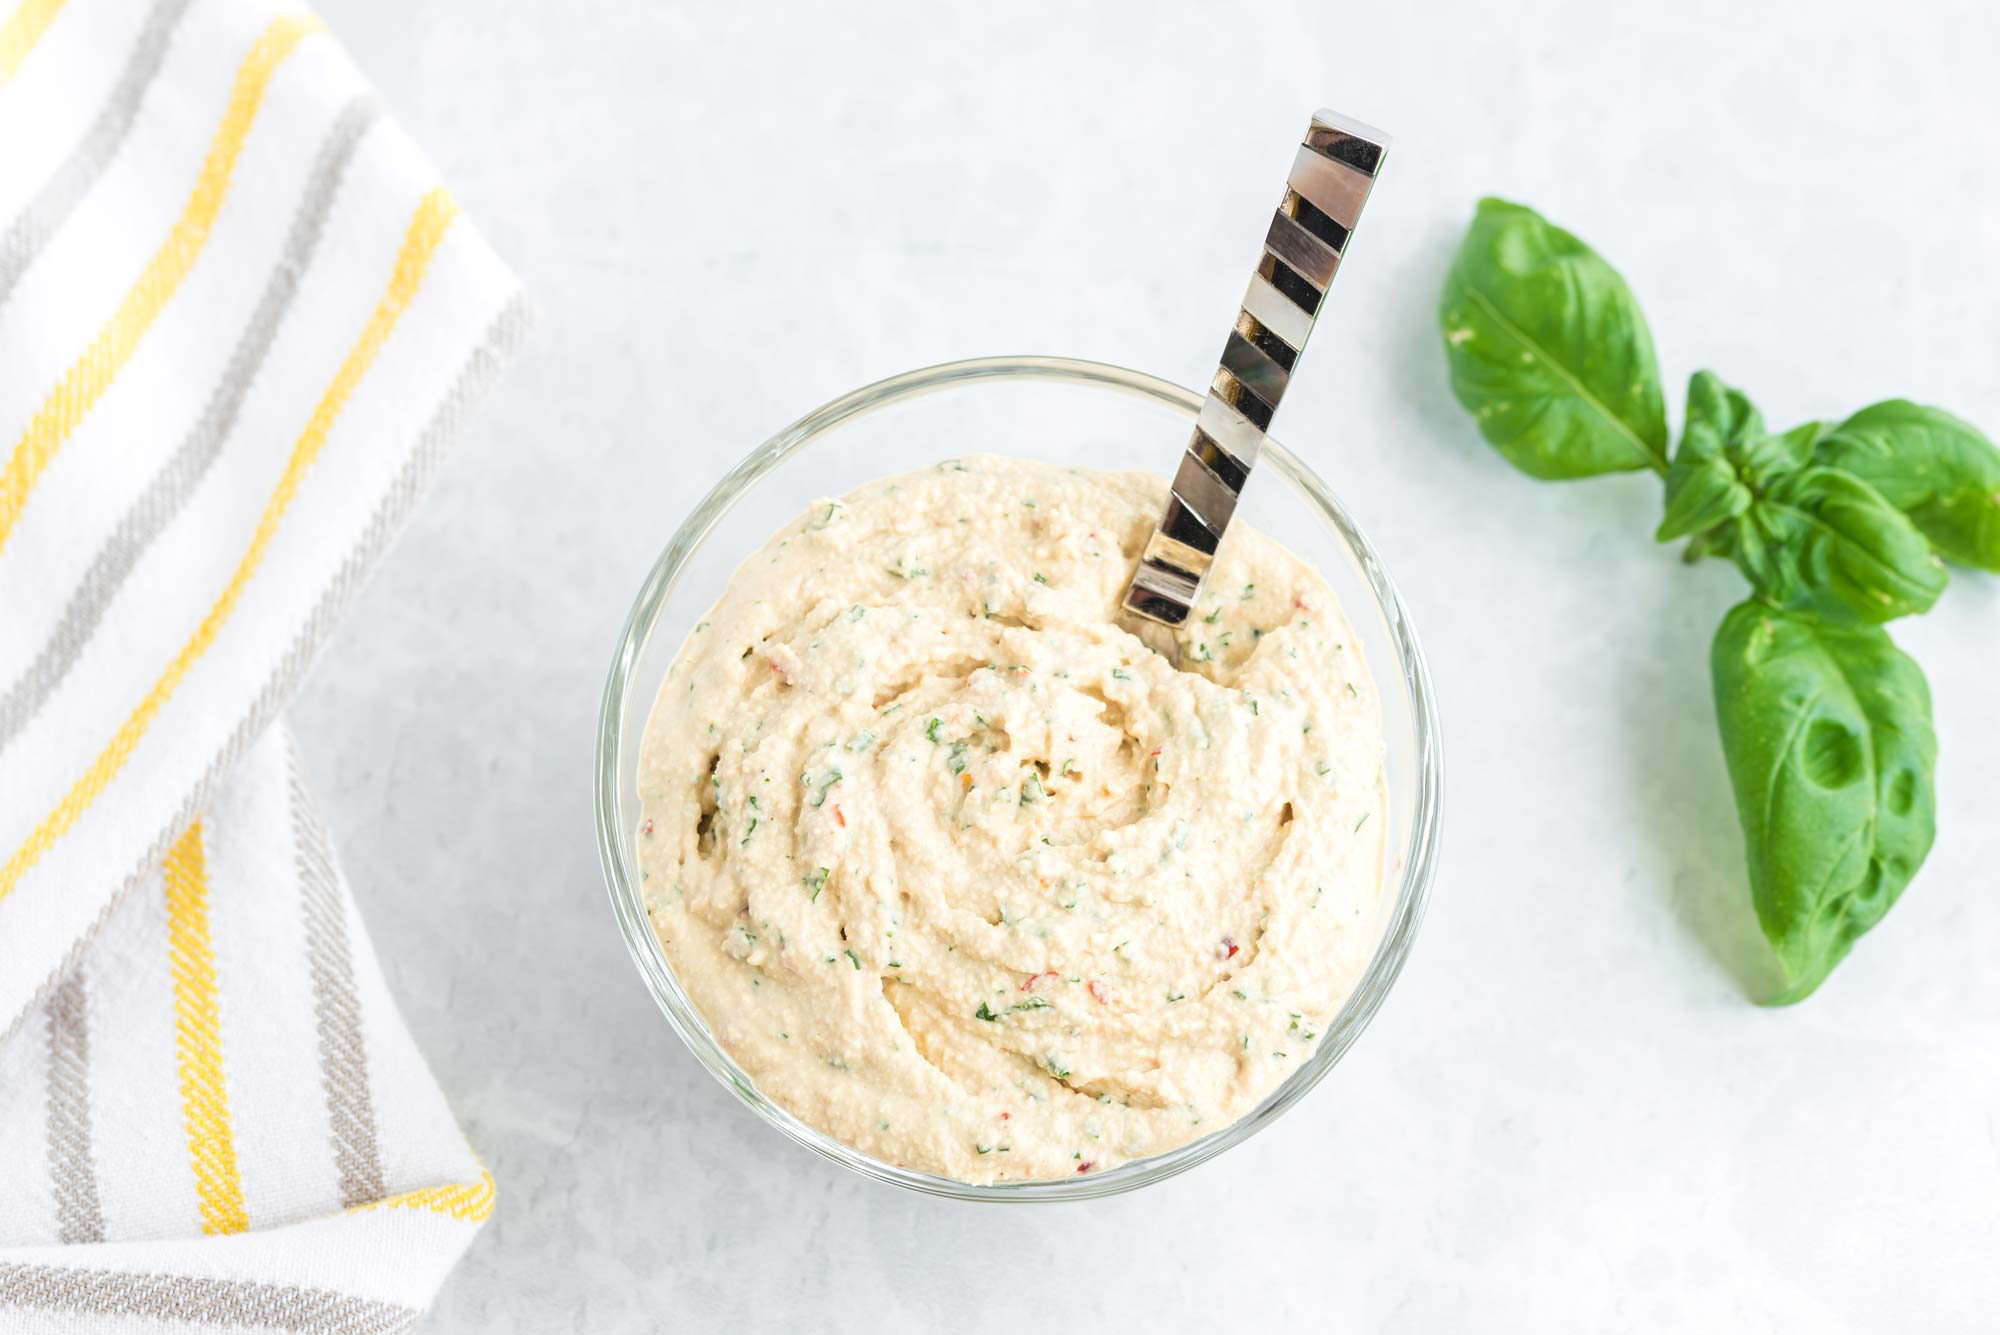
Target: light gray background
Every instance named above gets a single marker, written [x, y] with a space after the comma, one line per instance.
[1569, 1113]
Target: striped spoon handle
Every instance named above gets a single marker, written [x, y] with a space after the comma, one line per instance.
[1331, 176]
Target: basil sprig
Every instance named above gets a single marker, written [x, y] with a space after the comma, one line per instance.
[1826, 725]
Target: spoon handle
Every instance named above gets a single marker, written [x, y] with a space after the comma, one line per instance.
[1329, 183]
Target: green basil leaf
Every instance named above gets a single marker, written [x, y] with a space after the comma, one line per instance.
[1549, 351]
[1826, 727]
[1824, 540]
[1703, 489]
[1936, 469]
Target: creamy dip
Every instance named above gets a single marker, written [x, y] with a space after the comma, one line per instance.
[965, 874]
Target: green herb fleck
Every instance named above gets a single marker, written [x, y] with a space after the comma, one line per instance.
[833, 776]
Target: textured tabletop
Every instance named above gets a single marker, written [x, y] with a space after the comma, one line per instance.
[730, 213]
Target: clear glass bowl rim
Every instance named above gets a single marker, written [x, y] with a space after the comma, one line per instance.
[614, 828]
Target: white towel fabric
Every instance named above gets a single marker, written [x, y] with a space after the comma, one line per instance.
[226, 1061]
[239, 322]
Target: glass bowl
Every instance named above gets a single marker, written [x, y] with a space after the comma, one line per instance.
[1059, 410]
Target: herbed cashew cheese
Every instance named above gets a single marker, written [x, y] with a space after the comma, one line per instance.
[964, 873]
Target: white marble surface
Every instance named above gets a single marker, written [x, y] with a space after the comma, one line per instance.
[1569, 1109]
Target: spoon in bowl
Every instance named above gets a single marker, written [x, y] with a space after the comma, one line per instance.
[1331, 176]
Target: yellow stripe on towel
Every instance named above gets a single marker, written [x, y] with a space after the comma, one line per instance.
[470, 1201]
[23, 28]
[86, 381]
[420, 243]
[198, 1033]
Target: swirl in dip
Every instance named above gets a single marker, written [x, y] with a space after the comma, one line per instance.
[964, 873]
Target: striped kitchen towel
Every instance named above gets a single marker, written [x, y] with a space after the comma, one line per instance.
[239, 322]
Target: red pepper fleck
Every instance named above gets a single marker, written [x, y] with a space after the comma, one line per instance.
[1155, 751]
[1229, 948]
[837, 816]
[1005, 1115]
[1086, 1166]
[1100, 991]
[647, 828]
[1035, 978]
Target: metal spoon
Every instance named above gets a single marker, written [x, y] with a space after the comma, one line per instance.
[1335, 169]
